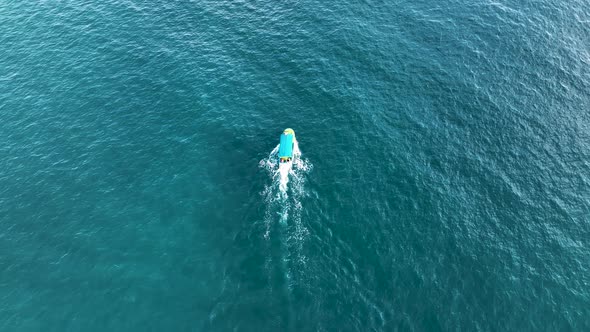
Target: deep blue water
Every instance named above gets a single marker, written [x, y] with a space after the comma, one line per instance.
[445, 179]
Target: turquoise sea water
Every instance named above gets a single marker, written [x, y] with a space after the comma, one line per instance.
[444, 183]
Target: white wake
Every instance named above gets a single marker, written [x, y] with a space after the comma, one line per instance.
[285, 190]
[283, 196]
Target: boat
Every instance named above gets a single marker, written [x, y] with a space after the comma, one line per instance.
[287, 145]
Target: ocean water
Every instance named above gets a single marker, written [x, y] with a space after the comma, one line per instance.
[443, 184]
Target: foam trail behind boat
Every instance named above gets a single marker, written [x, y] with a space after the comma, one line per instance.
[283, 196]
[286, 188]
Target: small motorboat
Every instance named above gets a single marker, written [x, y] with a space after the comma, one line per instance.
[287, 146]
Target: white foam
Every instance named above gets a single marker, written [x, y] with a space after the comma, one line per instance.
[283, 196]
[285, 190]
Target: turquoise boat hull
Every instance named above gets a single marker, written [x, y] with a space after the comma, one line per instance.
[286, 145]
